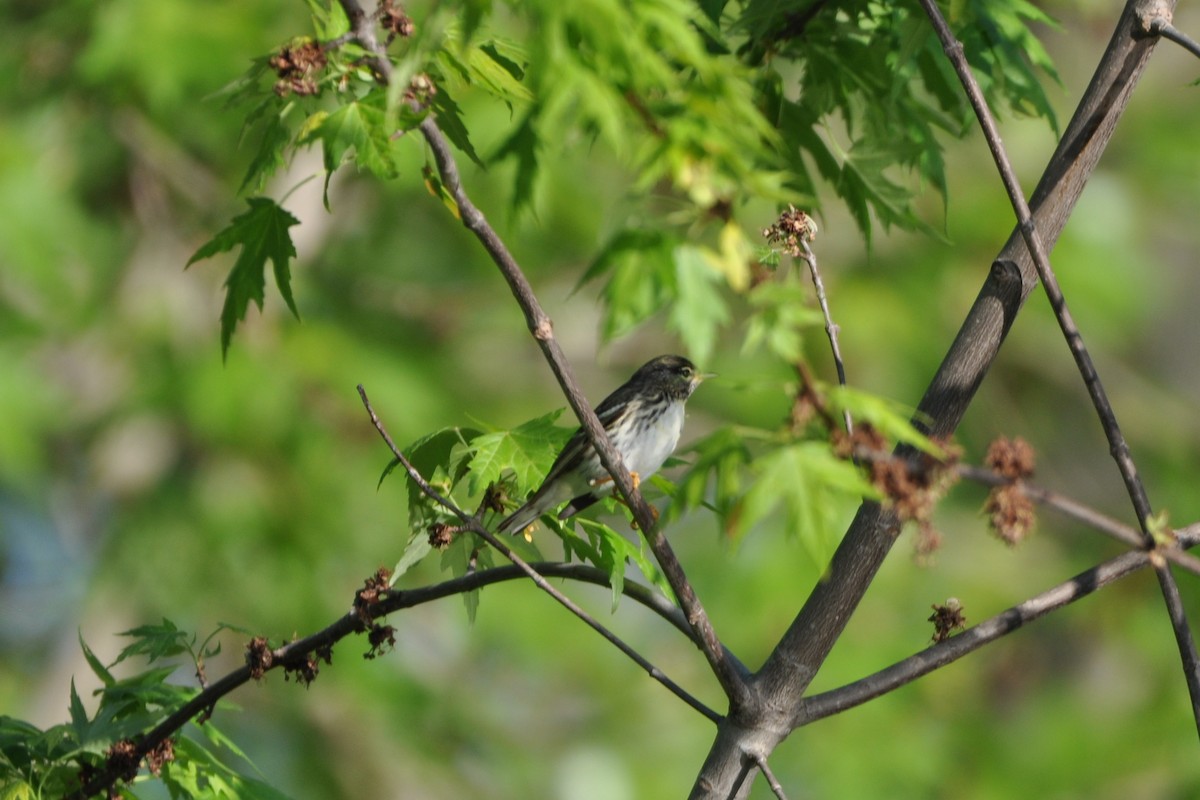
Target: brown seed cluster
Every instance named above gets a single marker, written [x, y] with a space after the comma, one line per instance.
[1011, 458]
[1009, 509]
[382, 639]
[122, 758]
[375, 588]
[259, 657]
[912, 486]
[395, 20]
[421, 89]
[305, 670]
[440, 535]
[297, 65]
[946, 619]
[163, 753]
[791, 231]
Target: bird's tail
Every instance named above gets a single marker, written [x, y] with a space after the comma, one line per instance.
[520, 519]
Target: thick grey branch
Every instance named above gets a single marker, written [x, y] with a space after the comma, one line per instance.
[789, 670]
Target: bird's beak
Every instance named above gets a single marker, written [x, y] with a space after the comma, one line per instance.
[703, 376]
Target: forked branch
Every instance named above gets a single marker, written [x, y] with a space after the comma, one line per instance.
[728, 675]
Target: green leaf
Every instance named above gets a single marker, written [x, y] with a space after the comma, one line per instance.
[329, 19]
[449, 118]
[261, 234]
[79, 717]
[720, 459]
[610, 551]
[359, 130]
[417, 548]
[440, 458]
[812, 485]
[781, 313]
[890, 418]
[14, 789]
[156, 641]
[270, 154]
[498, 72]
[522, 146]
[98, 669]
[528, 450]
[699, 310]
[865, 187]
[457, 558]
[642, 274]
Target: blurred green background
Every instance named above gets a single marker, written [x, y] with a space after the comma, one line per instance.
[141, 477]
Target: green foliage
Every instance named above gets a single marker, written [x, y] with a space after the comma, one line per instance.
[527, 450]
[261, 234]
[667, 131]
[47, 763]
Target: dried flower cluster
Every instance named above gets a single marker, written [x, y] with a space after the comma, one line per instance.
[791, 231]
[296, 65]
[163, 753]
[306, 670]
[441, 535]
[395, 20]
[912, 485]
[1009, 509]
[259, 657]
[946, 619]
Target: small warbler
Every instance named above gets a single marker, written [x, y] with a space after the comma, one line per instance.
[643, 419]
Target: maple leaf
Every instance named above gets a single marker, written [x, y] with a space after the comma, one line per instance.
[262, 234]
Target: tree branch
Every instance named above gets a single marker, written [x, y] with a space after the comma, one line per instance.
[1161, 26]
[831, 328]
[825, 704]
[791, 667]
[474, 526]
[728, 675]
[1118, 447]
[294, 653]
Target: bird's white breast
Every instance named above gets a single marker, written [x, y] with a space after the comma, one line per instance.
[656, 442]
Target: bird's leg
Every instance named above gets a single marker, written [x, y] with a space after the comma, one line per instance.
[598, 482]
[637, 482]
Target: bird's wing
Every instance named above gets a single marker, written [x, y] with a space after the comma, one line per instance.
[610, 410]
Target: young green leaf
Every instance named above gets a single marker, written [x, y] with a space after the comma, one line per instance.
[261, 234]
[98, 668]
[699, 310]
[155, 641]
[813, 486]
[527, 450]
[358, 128]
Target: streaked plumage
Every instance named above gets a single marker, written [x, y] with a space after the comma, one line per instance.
[643, 417]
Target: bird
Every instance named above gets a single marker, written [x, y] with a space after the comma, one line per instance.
[643, 419]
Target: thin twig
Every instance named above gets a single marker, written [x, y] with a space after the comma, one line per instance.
[825, 704]
[1183, 633]
[732, 680]
[831, 328]
[1085, 514]
[1083, 360]
[1118, 447]
[1065, 505]
[1161, 26]
[395, 600]
[473, 525]
[772, 781]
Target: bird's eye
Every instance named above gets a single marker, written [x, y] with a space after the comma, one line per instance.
[687, 372]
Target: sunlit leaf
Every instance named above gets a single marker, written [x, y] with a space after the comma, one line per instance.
[261, 234]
